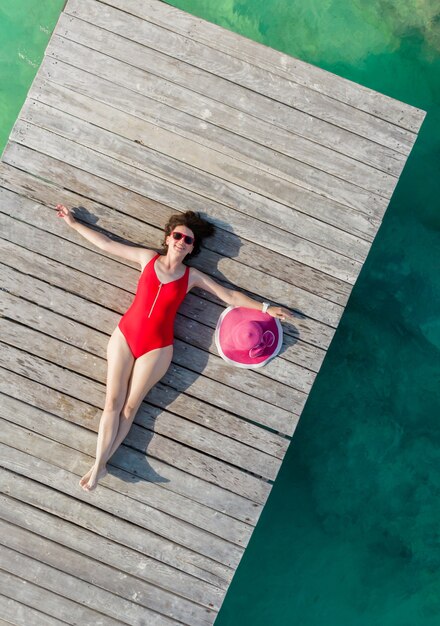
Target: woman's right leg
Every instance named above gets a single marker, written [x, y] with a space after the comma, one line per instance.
[120, 362]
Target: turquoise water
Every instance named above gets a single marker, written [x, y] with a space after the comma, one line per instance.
[25, 29]
[349, 536]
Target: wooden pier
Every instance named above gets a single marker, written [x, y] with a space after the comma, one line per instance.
[140, 110]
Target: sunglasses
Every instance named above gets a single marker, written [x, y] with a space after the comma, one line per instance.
[177, 236]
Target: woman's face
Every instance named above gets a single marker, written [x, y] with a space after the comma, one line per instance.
[177, 242]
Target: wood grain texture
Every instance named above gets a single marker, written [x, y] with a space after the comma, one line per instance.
[24, 603]
[242, 73]
[276, 62]
[153, 68]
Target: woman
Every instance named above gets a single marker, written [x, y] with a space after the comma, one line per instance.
[141, 346]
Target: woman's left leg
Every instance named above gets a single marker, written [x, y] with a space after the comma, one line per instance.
[148, 369]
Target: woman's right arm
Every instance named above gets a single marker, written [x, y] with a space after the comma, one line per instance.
[131, 253]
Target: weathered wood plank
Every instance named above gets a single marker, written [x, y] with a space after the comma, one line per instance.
[130, 459]
[238, 136]
[123, 585]
[295, 185]
[186, 407]
[319, 169]
[79, 591]
[103, 266]
[204, 440]
[114, 529]
[69, 455]
[27, 604]
[163, 190]
[160, 396]
[181, 457]
[109, 552]
[203, 85]
[231, 196]
[196, 359]
[284, 405]
[276, 62]
[123, 507]
[128, 208]
[274, 200]
[17, 612]
[238, 72]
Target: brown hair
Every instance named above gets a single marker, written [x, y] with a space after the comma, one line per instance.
[200, 227]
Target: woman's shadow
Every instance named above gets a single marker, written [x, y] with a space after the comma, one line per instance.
[194, 332]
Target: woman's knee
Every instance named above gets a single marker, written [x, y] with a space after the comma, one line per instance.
[113, 405]
[129, 411]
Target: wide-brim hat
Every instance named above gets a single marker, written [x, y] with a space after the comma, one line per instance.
[247, 337]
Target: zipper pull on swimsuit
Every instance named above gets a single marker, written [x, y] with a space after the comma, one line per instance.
[149, 322]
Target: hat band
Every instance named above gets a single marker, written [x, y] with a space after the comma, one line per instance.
[267, 340]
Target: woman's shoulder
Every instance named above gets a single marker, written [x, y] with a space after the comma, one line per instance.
[145, 256]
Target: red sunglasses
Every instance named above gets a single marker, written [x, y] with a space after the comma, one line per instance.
[177, 236]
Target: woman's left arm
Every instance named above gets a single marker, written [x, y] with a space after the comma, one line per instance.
[233, 297]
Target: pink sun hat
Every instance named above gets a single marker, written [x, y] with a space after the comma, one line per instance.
[247, 337]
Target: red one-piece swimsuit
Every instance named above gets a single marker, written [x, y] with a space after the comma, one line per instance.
[149, 322]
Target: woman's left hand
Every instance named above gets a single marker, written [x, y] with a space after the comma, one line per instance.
[280, 313]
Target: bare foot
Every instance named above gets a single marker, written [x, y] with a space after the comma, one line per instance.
[89, 481]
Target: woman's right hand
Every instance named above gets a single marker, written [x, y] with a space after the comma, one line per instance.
[63, 211]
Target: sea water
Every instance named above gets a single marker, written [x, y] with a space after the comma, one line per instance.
[350, 533]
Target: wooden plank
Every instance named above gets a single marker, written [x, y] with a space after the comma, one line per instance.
[197, 360]
[240, 73]
[69, 454]
[191, 461]
[123, 507]
[283, 416]
[110, 552]
[342, 179]
[131, 208]
[202, 439]
[114, 529]
[276, 62]
[349, 249]
[164, 191]
[27, 604]
[130, 459]
[78, 310]
[110, 296]
[238, 136]
[79, 591]
[295, 185]
[161, 395]
[123, 585]
[203, 85]
[19, 613]
[274, 200]
[102, 266]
